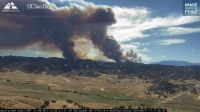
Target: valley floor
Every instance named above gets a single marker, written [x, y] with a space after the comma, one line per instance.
[23, 90]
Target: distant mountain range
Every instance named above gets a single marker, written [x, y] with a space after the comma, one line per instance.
[175, 63]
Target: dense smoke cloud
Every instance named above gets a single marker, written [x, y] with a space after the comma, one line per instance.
[58, 28]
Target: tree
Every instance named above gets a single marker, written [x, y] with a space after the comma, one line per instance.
[46, 103]
[131, 56]
[49, 88]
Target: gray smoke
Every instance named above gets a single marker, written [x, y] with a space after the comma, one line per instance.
[58, 28]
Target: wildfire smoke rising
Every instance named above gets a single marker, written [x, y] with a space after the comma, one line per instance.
[58, 28]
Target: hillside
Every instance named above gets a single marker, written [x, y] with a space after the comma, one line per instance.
[58, 83]
[60, 66]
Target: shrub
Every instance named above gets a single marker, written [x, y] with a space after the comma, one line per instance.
[121, 107]
[8, 80]
[69, 101]
[129, 107]
[53, 101]
[64, 106]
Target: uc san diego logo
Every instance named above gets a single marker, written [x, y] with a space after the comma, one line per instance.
[191, 7]
[10, 7]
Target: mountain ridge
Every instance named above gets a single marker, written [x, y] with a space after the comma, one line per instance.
[175, 63]
[91, 68]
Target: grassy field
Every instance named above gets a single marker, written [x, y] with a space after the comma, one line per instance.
[21, 90]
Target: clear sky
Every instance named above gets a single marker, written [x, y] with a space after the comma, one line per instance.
[155, 29]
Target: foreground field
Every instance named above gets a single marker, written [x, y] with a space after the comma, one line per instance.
[23, 90]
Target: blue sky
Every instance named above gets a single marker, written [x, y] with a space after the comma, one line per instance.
[155, 29]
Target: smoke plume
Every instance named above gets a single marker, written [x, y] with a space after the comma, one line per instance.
[58, 28]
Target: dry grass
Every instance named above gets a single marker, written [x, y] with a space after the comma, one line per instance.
[21, 90]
